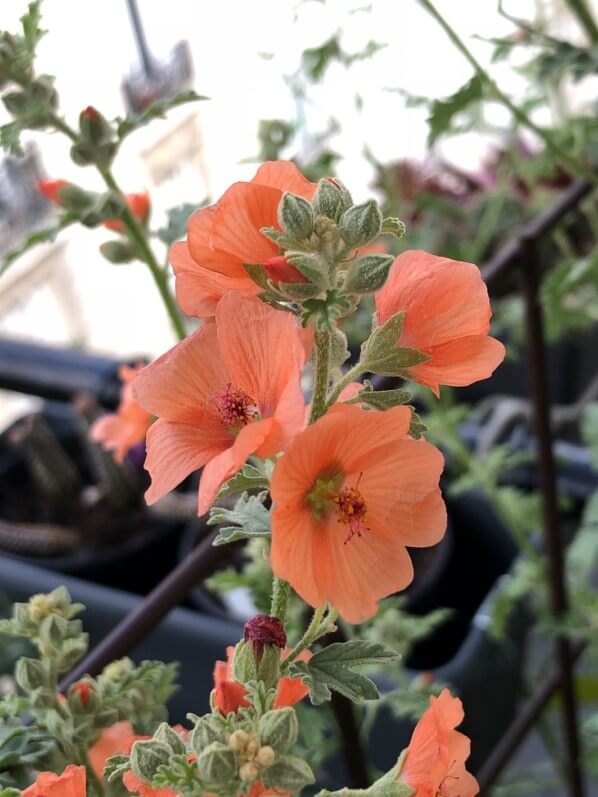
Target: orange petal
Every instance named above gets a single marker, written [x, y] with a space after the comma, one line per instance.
[226, 463]
[115, 740]
[460, 362]
[177, 385]
[285, 176]
[261, 348]
[198, 289]
[114, 434]
[174, 450]
[224, 236]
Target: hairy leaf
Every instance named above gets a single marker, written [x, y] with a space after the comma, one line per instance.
[249, 519]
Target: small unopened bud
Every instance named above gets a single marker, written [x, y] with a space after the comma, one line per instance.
[40, 606]
[147, 756]
[238, 740]
[217, 763]
[51, 189]
[279, 729]
[117, 670]
[279, 269]
[29, 674]
[331, 199]
[295, 216]
[249, 772]
[170, 738]
[367, 274]
[252, 748]
[361, 224]
[265, 756]
[83, 690]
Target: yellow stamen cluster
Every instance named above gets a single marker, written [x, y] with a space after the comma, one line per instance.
[351, 509]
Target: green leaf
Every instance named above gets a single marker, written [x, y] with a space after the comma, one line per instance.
[380, 399]
[10, 138]
[47, 235]
[157, 110]
[333, 668]
[115, 767]
[176, 228]
[289, 773]
[250, 519]
[32, 32]
[443, 112]
[248, 478]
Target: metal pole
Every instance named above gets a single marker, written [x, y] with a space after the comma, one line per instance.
[141, 621]
[530, 277]
[142, 46]
[521, 726]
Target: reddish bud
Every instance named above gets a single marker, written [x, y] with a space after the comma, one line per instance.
[264, 630]
[84, 690]
[90, 113]
[138, 204]
[279, 269]
[51, 189]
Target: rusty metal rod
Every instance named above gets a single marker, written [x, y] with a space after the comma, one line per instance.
[506, 257]
[521, 726]
[530, 282]
[196, 567]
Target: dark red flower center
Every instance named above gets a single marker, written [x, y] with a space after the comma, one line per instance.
[351, 510]
[264, 630]
[234, 407]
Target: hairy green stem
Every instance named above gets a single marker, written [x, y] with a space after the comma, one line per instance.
[314, 630]
[138, 235]
[346, 379]
[576, 167]
[583, 14]
[280, 598]
[322, 346]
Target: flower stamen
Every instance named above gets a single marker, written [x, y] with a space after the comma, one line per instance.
[234, 407]
[351, 510]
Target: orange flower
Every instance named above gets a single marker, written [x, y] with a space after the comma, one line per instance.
[350, 493]
[71, 783]
[435, 761]
[230, 695]
[115, 740]
[229, 390]
[126, 427]
[258, 789]
[224, 236]
[447, 316]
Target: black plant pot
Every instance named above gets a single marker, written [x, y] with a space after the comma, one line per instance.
[135, 559]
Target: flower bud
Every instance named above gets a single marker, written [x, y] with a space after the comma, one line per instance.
[117, 670]
[147, 756]
[257, 658]
[361, 224]
[15, 102]
[265, 756]
[170, 738]
[279, 269]
[331, 199]
[81, 691]
[117, 252]
[295, 216]
[249, 772]
[279, 728]
[289, 773]
[207, 730]
[53, 630]
[238, 740]
[95, 129]
[30, 674]
[51, 190]
[217, 763]
[367, 274]
[40, 606]
[263, 630]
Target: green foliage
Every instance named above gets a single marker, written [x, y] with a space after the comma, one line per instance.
[157, 110]
[444, 112]
[317, 59]
[23, 749]
[334, 668]
[248, 478]
[178, 217]
[589, 430]
[569, 296]
[249, 519]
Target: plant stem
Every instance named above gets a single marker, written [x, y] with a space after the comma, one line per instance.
[584, 16]
[312, 632]
[521, 116]
[95, 787]
[138, 235]
[280, 598]
[318, 404]
[342, 383]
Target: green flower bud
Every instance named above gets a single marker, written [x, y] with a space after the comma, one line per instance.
[117, 251]
[367, 274]
[361, 224]
[295, 216]
[147, 756]
[43, 93]
[30, 674]
[217, 763]
[170, 738]
[53, 630]
[15, 102]
[117, 670]
[77, 199]
[95, 130]
[208, 729]
[331, 199]
[279, 729]
[289, 773]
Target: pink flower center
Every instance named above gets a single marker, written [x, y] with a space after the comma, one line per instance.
[234, 407]
[351, 509]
